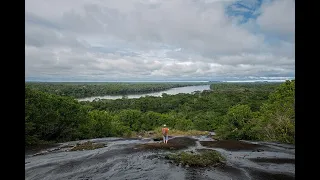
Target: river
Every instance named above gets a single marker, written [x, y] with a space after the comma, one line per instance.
[172, 91]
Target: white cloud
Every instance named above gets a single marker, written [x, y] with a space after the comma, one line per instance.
[278, 16]
[123, 39]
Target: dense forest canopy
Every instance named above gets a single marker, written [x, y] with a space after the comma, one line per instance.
[81, 90]
[251, 111]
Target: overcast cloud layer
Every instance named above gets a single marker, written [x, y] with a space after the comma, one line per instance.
[121, 40]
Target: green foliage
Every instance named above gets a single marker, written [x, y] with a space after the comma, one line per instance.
[204, 158]
[244, 87]
[183, 124]
[256, 111]
[274, 122]
[278, 114]
[100, 123]
[80, 90]
[151, 119]
[50, 117]
[207, 121]
[236, 123]
[119, 128]
[130, 118]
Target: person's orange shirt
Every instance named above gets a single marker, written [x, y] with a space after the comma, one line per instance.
[165, 130]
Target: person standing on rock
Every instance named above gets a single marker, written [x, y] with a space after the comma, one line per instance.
[165, 131]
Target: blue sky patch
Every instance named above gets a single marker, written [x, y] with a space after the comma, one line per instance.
[248, 9]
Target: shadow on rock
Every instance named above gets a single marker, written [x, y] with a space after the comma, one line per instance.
[161, 138]
[232, 145]
[39, 148]
[173, 144]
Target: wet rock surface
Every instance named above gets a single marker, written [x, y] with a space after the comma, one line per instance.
[274, 160]
[233, 145]
[174, 144]
[145, 159]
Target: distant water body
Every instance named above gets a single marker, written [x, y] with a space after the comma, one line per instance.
[172, 91]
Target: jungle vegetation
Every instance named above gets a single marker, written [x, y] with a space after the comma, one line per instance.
[249, 111]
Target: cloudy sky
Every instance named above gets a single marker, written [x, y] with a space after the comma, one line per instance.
[125, 40]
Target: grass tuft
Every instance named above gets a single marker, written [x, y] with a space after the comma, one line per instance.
[87, 146]
[202, 159]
